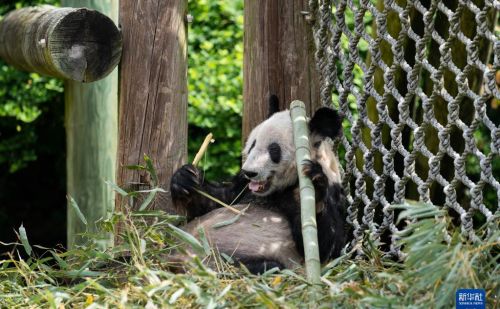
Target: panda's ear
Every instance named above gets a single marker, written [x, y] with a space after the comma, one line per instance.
[274, 105]
[326, 122]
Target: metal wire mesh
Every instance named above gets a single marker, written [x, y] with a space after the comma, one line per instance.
[416, 83]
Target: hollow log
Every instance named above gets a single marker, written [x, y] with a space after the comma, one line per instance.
[71, 43]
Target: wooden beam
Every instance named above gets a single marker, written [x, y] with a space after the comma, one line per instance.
[79, 44]
[153, 95]
[278, 58]
[91, 120]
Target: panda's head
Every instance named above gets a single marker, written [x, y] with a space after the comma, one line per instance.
[269, 153]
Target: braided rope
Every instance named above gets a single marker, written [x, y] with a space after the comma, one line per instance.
[407, 113]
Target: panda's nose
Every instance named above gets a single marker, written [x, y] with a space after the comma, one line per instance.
[249, 174]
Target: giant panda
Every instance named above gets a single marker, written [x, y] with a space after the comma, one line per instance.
[269, 233]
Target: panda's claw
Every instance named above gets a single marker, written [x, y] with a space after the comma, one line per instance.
[190, 168]
[184, 181]
[314, 171]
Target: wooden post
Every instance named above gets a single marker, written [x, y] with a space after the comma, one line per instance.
[91, 119]
[278, 58]
[153, 92]
[78, 44]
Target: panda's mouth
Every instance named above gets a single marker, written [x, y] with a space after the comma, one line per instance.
[259, 186]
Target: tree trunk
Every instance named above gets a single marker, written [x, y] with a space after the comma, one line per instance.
[91, 120]
[78, 44]
[153, 92]
[278, 59]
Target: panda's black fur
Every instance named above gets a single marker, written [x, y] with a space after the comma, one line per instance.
[269, 234]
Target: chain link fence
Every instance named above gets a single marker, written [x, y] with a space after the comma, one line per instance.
[418, 84]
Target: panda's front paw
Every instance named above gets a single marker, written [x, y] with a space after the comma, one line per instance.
[184, 181]
[314, 171]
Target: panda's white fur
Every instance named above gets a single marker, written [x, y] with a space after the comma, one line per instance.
[276, 129]
[267, 234]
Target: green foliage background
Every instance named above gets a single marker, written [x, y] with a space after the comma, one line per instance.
[216, 83]
[215, 91]
[32, 151]
[23, 98]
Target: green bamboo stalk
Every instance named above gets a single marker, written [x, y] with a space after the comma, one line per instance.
[307, 196]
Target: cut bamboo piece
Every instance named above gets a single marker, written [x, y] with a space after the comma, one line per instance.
[203, 148]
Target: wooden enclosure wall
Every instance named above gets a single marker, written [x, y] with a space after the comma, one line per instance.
[278, 58]
[153, 91]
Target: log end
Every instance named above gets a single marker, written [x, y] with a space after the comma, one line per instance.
[297, 104]
[85, 45]
[72, 43]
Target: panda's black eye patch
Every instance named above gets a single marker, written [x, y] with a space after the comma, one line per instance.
[251, 146]
[274, 152]
[317, 144]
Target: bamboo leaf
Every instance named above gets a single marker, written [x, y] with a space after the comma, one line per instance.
[62, 263]
[135, 167]
[150, 168]
[24, 240]
[157, 189]
[226, 222]
[116, 188]
[224, 292]
[176, 295]
[204, 240]
[227, 258]
[230, 221]
[193, 288]
[187, 238]
[142, 245]
[81, 273]
[147, 200]
[75, 207]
